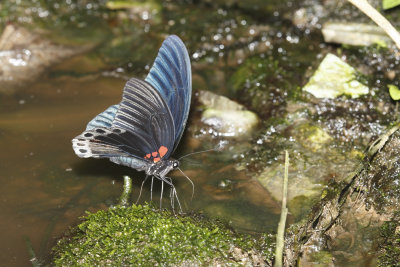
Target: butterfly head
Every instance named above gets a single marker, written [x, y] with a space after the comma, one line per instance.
[162, 168]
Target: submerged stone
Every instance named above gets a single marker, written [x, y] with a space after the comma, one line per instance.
[25, 55]
[227, 117]
[333, 78]
[354, 33]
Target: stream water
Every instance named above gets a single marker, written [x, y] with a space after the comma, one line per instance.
[46, 188]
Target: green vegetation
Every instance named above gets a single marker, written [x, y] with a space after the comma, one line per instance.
[390, 251]
[387, 4]
[145, 235]
[394, 92]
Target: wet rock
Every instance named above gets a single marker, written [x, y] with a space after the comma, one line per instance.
[314, 160]
[299, 184]
[333, 78]
[225, 116]
[309, 16]
[137, 10]
[354, 33]
[346, 222]
[25, 55]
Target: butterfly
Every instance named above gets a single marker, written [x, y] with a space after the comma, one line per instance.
[144, 129]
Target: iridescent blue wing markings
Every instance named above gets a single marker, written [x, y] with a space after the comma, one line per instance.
[104, 119]
[141, 125]
[171, 76]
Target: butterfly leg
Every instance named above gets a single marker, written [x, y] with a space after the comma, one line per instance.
[173, 193]
[141, 188]
[162, 192]
[151, 188]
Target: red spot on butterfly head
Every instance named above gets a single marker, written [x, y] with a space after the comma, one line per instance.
[156, 159]
[162, 150]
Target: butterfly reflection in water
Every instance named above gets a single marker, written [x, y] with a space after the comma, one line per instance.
[145, 128]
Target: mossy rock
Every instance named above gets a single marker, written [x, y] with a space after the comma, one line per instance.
[143, 235]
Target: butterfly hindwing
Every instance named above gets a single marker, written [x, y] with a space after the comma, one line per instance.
[142, 125]
[171, 76]
[101, 142]
[104, 119]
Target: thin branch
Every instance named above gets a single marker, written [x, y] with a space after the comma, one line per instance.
[127, 191]
[281, 226]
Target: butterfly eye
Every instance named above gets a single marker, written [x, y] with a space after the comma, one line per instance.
[176, 164]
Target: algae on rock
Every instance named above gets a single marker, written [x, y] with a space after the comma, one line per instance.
[333, 78]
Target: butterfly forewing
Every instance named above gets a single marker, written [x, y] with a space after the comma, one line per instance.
[144, 112]
[171, 76]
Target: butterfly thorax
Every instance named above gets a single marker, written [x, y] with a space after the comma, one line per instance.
[161, 168]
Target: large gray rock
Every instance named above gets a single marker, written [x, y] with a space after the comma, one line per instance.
[225, 116]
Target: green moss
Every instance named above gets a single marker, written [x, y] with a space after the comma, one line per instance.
[322, 258]
[390, 250]
[249, 82]
[300, 206]
[142, 235]
[312, 136]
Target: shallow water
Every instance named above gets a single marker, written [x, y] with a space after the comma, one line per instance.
[46, 187]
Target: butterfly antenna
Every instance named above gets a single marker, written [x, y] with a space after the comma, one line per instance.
[189, 181]
[141, 188]
[198, 152]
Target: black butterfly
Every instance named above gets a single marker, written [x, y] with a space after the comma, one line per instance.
[145, 128]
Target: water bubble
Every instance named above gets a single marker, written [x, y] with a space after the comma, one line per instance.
[217, 37]
[145, 15]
